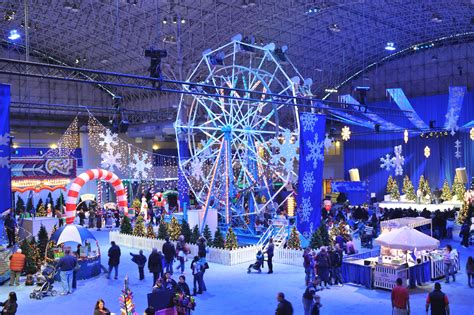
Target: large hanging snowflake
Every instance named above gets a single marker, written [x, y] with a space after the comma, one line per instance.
[305, 209]
[308, 181]
[140, 166]
[308, 121]
[452, 121]
[4, 162]
[5, 139]
[345, 133]
[286, 151]
[108, 139]
[196, 168]
[457, 146]
[398, 160]
[316, 152]
[328, 142]
[110, 160]
[386, 163]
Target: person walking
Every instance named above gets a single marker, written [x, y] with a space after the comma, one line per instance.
[169, 252]
[197, 269]
[10, 226]
[114, 259]
[323, 264]
[10, 306]
[270, 251]
[155, 264]
[140, 260]
[17, 263]
[448, 261]
[438, 301]
[308, 296]
[66, 266]
[400, 299]
[284, 307]
[308, 265]
[336, 265]
[470, 271]
[181, 252]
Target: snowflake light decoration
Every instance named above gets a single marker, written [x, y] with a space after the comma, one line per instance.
[452, 121]
[108, 139]
[386, 163]
[4, 162]
[346, 133]
[471, 133]
[405, 136]
[140, 166]
[286, 151]
[427, 152]
[110, 159]
[457, 146]
[308, 121]
[5, 139]
[398, 160]
[316, 152]
[196, 168]
[328, 142]
[308, 181]
[305, 209]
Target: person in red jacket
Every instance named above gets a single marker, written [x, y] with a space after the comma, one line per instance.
[17, 263]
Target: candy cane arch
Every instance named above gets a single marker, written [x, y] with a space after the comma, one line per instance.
[89, 175]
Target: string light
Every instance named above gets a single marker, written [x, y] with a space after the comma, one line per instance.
[427, 152]
[68, 142]
[291, 206]
[405, 136]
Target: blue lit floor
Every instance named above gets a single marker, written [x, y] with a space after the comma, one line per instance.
[232, 291]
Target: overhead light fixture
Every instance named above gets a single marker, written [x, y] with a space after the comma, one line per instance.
[244, 4]
[436, 18]
[334, 28]
[175, 19]
[165, 20]
[67, 5]
[390, 46]
[183, 20]
[75, 8]
[9, 15]
[77, 60]
[252, 3]
[170, 39]
[13, 35]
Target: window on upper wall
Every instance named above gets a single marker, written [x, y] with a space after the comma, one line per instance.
[334, 150]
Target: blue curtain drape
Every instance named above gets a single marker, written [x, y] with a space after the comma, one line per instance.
[5, 170]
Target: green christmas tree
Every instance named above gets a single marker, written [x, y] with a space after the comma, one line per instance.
[37, 259]
[316, 241]
[389, 185]
[30, 263]
[41, 210]
[174, 229]
[139, 229]
[206, 233]
[60, 202]
[162, 230]
[395, 192]
[194, 235]
[458, 189]
[49, 199]
[150, 232]
[323, 231]
[408, 189]
[29, 205]
[231, 240]
[463, 213]
[43, 240]
[294, 240]
[186, 231]
[126, 225]
[218, 239]
[446, 194]
[20, 205]
[136, 204]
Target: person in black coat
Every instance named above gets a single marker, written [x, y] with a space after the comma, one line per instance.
[140, 260]
[10, 225]
[10, 306]
[155, 264]
[284, 307]
[169, 252]
[182, 286]
[114, 259]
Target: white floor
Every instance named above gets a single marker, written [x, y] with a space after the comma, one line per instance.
[232, 291]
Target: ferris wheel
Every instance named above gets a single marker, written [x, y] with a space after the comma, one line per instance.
[240, 130]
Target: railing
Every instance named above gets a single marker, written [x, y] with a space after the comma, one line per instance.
[262, 242]
[289, 256]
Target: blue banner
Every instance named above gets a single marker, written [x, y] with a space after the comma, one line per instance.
[310, 174]
[356, 192]
[5, 171]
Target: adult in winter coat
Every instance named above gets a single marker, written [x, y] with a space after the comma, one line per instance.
[270, 251]
[10, 306]
[140, 260]
[169, 252]
[17, 263]
[181, 252]
[155, 264]
[114, 259]
[323, 264]
[10, 225]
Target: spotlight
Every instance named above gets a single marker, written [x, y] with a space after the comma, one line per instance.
[175, 19]
[165, 20]
[183, 20]
[75, 8]
[13, 35]
[244, 4]
[67, 5]
[251, 3]
[9, 15]
[436, 18]
[77, 60]
[334, 28]
[390, 46]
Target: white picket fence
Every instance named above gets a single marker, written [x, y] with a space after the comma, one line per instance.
[215, 255]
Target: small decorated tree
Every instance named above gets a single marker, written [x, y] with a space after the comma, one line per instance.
[30, 263]
[126, 225]
[127, 307]
[36, 257]
[218, 239]
[206, 233]
[316, 241]
[20, 205]
[194, 235]
[60, 202]
[186, 231]
[446, 194]
[162, 230]
[323, 232]
[150, 232]
[174, 229]
[389, 185]
[41, 210]
[458, 189]
[395, 192]
[426, 188]
[231, 239]
[463, 213]
[43, 240]
[139, 228]
[136, 204]
[408, 189]
[294, 240]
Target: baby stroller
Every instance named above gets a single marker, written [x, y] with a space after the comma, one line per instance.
[44, 283]
[258, 265]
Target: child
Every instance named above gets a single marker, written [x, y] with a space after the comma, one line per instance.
[258, 264]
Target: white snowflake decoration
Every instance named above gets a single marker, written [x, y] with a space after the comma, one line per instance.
[398, 161]
[286, 151]
[305, 209]
[345, 133]
[196, 168]
[109, 139]
[4, 162]
[316, 152]
[386, 163]
[452, 121]
[457, 146]
[328, 142]
[140, 166]
[110, 160]
[308, 181]
[5, 139]
[308, 121]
